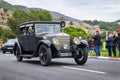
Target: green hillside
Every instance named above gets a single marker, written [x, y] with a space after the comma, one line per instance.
[110, 26]
[6, 5]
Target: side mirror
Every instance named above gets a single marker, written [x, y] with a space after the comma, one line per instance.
[62, 24]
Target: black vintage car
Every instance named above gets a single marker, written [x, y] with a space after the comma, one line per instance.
[46, 41]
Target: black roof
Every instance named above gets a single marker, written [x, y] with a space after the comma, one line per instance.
[42, 22]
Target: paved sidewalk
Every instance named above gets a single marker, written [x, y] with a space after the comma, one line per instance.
[105, 58]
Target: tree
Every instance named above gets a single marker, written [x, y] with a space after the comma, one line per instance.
[1, 31]
[21, 16]
[6, 34]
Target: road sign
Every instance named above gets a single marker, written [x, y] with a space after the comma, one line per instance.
[1, 42]
[106, 34]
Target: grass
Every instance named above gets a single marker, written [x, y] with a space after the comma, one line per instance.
[102, 53]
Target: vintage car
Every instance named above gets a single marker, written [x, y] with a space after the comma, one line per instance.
[47, 41]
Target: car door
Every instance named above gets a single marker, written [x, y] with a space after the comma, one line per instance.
[30, 37]
[22, 37]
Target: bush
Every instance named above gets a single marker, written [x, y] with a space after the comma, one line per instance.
[75, 31]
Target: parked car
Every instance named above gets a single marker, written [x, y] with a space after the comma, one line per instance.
[46, 41]
[8, 46]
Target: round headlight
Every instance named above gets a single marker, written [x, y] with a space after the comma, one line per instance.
[80, 37]
[76, 40]
[55, 41]
[44, 37]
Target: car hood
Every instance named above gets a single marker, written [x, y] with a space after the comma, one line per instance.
[8, 44]
[56, 34]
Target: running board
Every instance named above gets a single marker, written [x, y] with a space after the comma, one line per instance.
[27, 56]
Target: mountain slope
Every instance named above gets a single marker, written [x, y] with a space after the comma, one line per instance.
[56, 15]
[6, 5]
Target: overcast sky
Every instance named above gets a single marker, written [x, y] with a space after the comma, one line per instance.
[105, 10]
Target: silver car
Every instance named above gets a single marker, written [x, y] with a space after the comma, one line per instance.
[8, 46]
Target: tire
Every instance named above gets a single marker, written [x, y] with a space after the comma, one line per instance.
[3, 52]
[45, 55]
[11, 52]
[18, 56]
[82, 57]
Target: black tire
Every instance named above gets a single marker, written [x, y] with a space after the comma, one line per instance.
[3, 52]
[82, 57]
[45, 55]
[11, 52]
[17, 53]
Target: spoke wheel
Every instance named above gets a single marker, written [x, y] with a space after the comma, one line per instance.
[44, 55]
[82, 57]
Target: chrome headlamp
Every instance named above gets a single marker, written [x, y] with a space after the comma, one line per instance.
[76, 40]
[55, 41]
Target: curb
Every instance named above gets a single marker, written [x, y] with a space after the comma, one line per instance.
[105, 58]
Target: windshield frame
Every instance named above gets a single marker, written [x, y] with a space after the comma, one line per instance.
[47, 26]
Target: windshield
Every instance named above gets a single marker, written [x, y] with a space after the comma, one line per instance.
[47, 28]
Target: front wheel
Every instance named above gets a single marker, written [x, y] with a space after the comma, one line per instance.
[3, 52]
[11, 52]
[17, 53]
[44, 55]
[82, 57]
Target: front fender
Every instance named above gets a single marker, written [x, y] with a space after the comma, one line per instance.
[42, 42]
[45, 42]
[84, 43]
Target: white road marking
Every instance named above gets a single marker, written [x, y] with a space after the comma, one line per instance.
[79, 69]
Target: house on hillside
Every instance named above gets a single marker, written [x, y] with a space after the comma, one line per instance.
[4, 15]
[1, 11]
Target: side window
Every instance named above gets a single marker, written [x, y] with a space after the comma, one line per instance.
[22, 30]
[30, 29]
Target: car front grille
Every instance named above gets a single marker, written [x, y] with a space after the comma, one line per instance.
[9, 46]
[64, 51]
[64, 40]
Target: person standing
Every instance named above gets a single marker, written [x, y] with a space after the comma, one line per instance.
[118, 40]
[114, 44]
[97, 42]
[109, 44]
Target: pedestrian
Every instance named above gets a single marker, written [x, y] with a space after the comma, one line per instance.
[97, 42]
[109, 44]
[89, 42]
[92, 45]
[114, 44]
[118, 40]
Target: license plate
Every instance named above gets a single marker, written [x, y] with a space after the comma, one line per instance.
[9, 48]
[65, 54]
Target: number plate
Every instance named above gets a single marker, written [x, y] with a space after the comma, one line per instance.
[9, 48]
[65, 54]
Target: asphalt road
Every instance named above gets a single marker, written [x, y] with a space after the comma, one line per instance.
[60, 69]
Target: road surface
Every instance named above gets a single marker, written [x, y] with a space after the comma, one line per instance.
[60, 69]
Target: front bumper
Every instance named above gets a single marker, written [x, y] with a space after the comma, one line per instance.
[7, 49]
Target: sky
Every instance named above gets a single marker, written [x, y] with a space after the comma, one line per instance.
[104, 10]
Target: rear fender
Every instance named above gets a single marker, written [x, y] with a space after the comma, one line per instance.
[15, 45]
